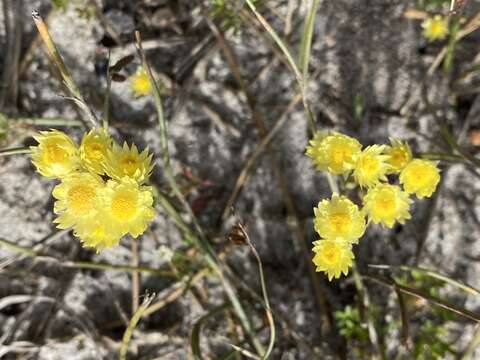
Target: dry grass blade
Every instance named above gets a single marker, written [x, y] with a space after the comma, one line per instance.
[432, 273]
[422, 295]
[133, 324]
[60, 65]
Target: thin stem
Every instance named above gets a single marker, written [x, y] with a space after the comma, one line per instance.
[268, 310]
[133, 324]
[82, 264]
[135, 276]
[15, 151]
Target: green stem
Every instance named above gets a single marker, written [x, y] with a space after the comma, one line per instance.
[15, 151]
[133, 324]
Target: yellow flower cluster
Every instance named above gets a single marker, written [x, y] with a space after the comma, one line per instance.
[101, 194]
[339, 222]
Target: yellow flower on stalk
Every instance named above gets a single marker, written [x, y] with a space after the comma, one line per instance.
[400, 155]
[435, 28]
[127, 206]
[333, 257]
[127, 161]
[93, 150]
[140, 83]
[371, 166]
[56, 155]
[339, 218]
[420, 177]
[77, 196]
[386, 204]
[334, 153]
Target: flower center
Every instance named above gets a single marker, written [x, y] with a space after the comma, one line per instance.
[129, 165]
[331, 255]
[55, 154]
[398, 157]
[339, 222]
[141, 84]
[385, 204]
[370, 165]
[79, 199]
[436, 28]
[94, 151]
[124, 207]
[339, 155]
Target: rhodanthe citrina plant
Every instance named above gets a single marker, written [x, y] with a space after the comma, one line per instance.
[101, 194]
[387, 177]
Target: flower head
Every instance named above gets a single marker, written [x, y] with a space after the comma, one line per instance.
[128, 206]
[93, 150]
[126, 161]
[339, 218]
[100, 235]
[435, 28]
[400, 155]
[140, 83]
[334, 153]
[386, 204]
[56, 155]
[371, 166]
[76, 201]
[333, 257]
[420, 177]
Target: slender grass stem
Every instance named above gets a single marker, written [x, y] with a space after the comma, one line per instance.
[133, 324]
[15, 151]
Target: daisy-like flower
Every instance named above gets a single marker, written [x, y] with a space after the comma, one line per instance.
[420, 177]
[333, 257]
[339, 218]
[334, 153]
[140, 83]
[56, 155]
[400, 155]
[76, 201]
[98, 237]
[371, 166]
[127, 206]
[386, 204]
[435, 28]
[126, 161]
[93, 150]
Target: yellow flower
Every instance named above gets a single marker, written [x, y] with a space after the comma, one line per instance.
[435, 28]
[56, 155]
[139, 83]
[420, 177]
[128, 206]
[93, 150]
[371, 166]
[339, 218]
[128, 162]
[400, 155]
[98, 237]
[76, 201]
[333, 257]
[333, 153]
[386, 204]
